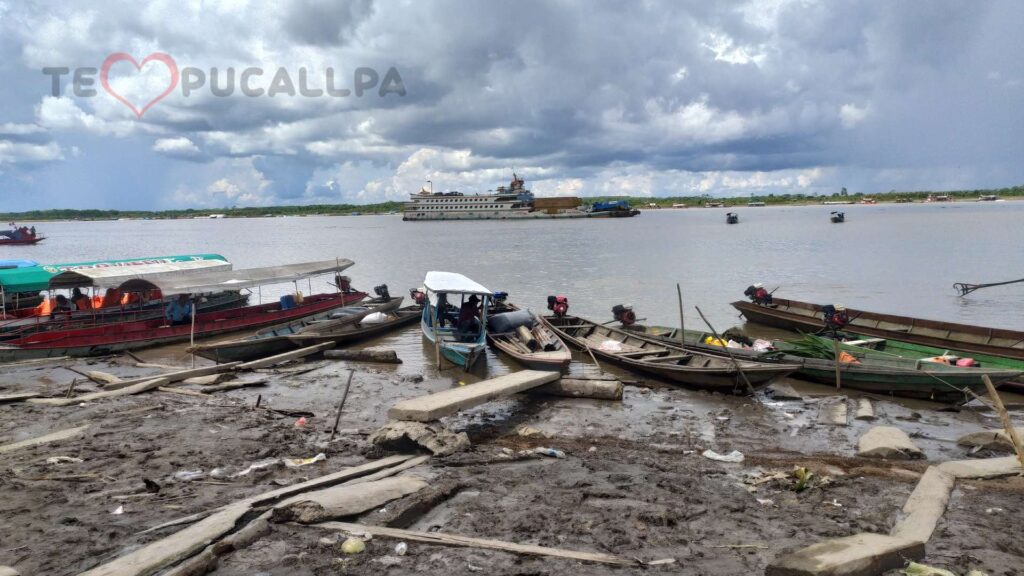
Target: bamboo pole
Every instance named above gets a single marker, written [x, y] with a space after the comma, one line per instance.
[835, 349]
[682, 322]
[735, 362]
[192, 332]
[1005, 417]
[337, 417]
[437, 332]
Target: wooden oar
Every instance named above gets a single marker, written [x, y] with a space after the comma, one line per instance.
[735, 362]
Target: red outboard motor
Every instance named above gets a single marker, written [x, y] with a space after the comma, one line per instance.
[559, 305]
[344, 283]
[836, 317]
[624, 314]
[418, 296]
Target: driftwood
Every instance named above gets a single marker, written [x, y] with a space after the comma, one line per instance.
[208, 380]
[385, 356]
[133, 389]
[234, 385]
[176, 376]
[455, 540]
[18, 397]
[45, 439]
[102, 377]
[285, 356]
[185, 543]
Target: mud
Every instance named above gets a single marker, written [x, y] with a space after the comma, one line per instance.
[633, 482]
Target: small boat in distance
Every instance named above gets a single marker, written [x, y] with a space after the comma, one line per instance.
[20, 236]
[732, 218]
[837, 217]
[454, 318]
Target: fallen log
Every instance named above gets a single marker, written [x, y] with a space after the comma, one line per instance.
[234, 385]
[456, 540]
[44, 439]
[285, 356]
[209, 380]
[18, 397]
[102, 377]
[580, 388]
[185, 543]
[176, 376]
[126, 391]
[383, 356]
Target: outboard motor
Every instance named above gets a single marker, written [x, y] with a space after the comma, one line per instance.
[382, 292]
[498, 300]
[344, 283]
[559, 305]
[624, 314]
[836, 317]
[419, 297]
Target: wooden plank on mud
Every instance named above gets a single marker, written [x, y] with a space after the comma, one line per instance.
[448, 402]
[134, 389]
[286, 356]
[176, 376]
[45, 439]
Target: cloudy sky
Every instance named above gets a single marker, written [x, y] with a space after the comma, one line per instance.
[580, 97]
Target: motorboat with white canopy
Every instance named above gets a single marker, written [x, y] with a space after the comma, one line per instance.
[455, 317]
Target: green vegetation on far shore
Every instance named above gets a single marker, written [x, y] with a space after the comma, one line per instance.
[387, 207]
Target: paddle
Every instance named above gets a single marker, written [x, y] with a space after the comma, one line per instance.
[966, 289]
[735, 362]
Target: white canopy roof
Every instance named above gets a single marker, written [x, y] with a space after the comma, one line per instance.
[439, 282]
[250, 277]
[153, 272]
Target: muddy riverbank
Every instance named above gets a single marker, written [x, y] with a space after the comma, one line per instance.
[633, 482]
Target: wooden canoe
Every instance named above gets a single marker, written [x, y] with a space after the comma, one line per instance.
[536, 347]
[358, 331]
[278, 339]
[803, 316]
[663, 360]
[876, 372]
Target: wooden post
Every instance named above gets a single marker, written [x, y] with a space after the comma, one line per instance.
[682, 322]
[192, 332]
[337, 418]
[1007, 424]
[437, 332]
[735, 362]
[835, 349]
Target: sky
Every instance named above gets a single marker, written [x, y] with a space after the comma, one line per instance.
[582, 98]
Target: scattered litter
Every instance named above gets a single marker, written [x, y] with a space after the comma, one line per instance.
[994, 510]
[528, 431]
[549, 452]
[259, 465]
[662, 562]
[301, 422]
[915, 569]
[766, 501]
[735, 456]
[219, 473]
[835, 503]
[296, 462]
[401, 548]
[610, 346]
[353, 546]
[592, 449]
[119, 511]
[63, 460]
[723, 418]
[188, 475]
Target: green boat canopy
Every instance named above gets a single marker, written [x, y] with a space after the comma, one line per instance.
[37, 278]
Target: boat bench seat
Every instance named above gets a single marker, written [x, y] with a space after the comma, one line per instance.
[639, 353]
[674, 357]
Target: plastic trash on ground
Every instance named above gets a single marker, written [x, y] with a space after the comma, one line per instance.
[915, 569]
[296, 462]
[188, 475]
[63, 460]
[353, 546]
[401, 548]
[735, 456]
[259, 465]
[551, 452]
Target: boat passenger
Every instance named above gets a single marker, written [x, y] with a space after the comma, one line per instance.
[179, 311]
[61, 306]
[80, 301]
[758, 294]
[469, 315]
[111, 298]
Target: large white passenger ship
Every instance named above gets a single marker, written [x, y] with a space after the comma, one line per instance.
[505, 203]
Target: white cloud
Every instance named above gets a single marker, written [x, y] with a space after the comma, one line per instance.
[850, 114]
[12, 152]
[178, 147]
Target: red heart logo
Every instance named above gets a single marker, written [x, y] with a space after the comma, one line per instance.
[119, 56]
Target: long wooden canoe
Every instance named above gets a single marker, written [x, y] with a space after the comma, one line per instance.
[666, 361]
[795, 315]
[358, 331]
[278, 338]
[874, 371]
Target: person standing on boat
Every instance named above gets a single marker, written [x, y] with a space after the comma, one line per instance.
[179, 311]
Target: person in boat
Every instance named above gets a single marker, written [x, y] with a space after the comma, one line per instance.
[179, 311]
[836, 317]
[758, 294]
[80, 301]
[61, 306]
[469, 315]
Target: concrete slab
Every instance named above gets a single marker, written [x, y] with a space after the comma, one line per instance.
[925, 506]
[833, 411]
[448, 402]
[990, 439]
[887, 442]
[983, 468]
[865, 411]
[858, 555]
[783, 391]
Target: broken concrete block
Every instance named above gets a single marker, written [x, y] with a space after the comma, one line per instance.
[833, 411]
[865, 411]
[983, 468]
[926, 505]
[341, 501]
[403, 436]
[783, 391]
[989, 440]
[887, 442]
[858, 555]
